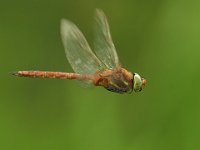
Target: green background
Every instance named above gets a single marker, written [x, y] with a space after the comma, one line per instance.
[159, 39]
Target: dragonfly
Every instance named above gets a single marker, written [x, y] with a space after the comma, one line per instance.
[100, 67]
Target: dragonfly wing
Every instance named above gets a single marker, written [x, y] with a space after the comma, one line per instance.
[77, 49]
[103, 45]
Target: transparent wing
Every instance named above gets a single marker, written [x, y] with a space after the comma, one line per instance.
[103, 44]
[77, 50]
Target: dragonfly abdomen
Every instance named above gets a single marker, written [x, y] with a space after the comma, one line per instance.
[48, 74]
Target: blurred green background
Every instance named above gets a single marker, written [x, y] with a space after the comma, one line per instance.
[159, 39]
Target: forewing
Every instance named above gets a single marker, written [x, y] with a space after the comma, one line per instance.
[103, 45]
[78, 51]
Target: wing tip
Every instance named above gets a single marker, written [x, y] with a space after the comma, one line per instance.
[66, 25]
[98, 10]
[63, 20]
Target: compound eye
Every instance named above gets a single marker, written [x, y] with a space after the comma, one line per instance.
[137, 83]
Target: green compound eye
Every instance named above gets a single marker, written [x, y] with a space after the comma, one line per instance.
[137, 83]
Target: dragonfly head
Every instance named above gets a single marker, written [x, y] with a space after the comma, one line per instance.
[139, 83]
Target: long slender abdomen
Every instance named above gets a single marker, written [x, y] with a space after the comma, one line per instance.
[48, 74]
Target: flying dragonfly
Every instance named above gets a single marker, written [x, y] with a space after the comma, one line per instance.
[101, 68]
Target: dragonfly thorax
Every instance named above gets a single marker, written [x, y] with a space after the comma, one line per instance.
[118, 80]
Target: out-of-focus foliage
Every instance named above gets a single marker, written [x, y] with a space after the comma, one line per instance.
[159, 39]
